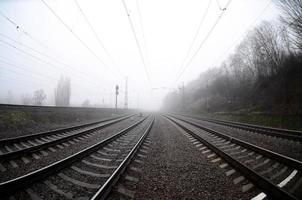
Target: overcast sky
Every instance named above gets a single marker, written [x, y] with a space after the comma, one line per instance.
[41, 49]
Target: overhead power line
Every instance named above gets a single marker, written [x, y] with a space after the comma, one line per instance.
[26, 33]
[204, 40]
[32, 56]
[28, 54]
[33, 84]
[195, 37]
[32, 73]
[218, 4]
[19, 28]
[95, 33]
[45, 55]
[77, 37]
[142, 28]
[137, 43]
[243, 34]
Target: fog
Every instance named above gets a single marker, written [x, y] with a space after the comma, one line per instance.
[38, 48]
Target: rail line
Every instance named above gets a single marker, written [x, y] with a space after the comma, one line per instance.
[6, 141]
[280, 177]
[90, 173]
[275, 132]
[24, 147]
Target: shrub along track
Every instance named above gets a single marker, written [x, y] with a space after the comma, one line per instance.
[90, 173]
[278, 176]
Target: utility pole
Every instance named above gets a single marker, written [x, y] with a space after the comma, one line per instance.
[116, 94]
[126, 94]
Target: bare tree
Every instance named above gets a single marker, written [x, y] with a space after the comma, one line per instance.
[292, 10]
[63, 92]
[263, 50]
[263, 74]
[39, 97]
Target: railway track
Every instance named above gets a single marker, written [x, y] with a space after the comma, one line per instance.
[29, 147]
[10, 140]
[275, 132]
[278, 176]
[88, 174]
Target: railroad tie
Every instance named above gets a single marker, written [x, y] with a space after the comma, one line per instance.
[122, 190]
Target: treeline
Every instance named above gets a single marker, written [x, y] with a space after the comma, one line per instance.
[263, 74]
[62, 95]
[61, 98]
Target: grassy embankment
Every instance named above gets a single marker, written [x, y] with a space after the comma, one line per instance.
[15, 121]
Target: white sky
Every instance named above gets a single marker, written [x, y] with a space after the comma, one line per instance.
[168, 28]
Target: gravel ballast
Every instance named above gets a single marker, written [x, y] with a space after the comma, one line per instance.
[175, 169]
[66, 151]
[69, 183]
[282, 146]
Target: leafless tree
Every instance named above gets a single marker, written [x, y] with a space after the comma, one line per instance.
[39, 97]
[263, 73]
[266, 50]
[63, 92]
[243, 58]
[286, 41]
[292, 18]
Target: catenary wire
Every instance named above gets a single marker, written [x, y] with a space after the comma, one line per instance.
[195, 37]
[79, 39]
[244, 33]
[204, 41]
[47, 56]
[95, 34]
[19, 28]
[29, 54]
[143, 30]
[32, 56]
[37, 73]
[26, 33]
[137, 43]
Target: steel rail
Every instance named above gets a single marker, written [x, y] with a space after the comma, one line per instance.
[55, 131]
[18, 153]
[288, 161]
[7, 188]
[2, 105]
[105, 190]
[276, 132]
[270, 189]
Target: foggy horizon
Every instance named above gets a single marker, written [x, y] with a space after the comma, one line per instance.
[37, 49]
[137, 99]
